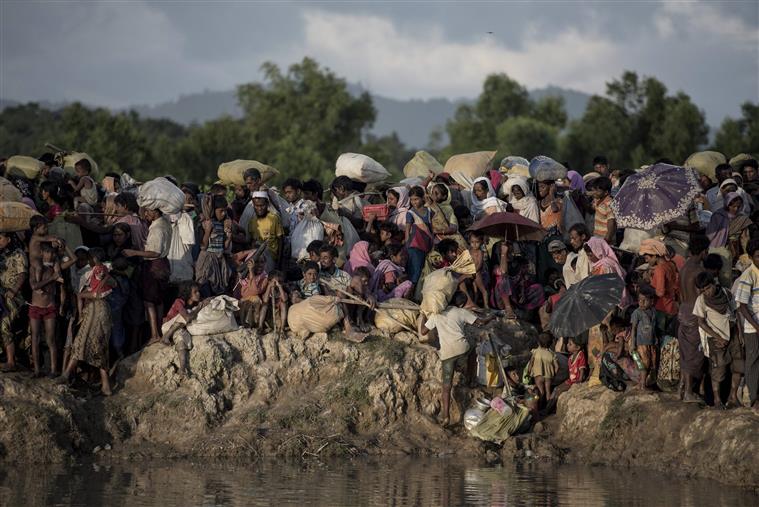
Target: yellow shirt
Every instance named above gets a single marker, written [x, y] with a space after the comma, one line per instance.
[267, 229]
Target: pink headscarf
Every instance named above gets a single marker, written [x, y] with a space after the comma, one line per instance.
[359, 256]
[652, 247]
[607, 259]
[495, 178]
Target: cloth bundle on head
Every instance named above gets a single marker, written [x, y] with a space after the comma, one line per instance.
[652, 247]
[575, 181]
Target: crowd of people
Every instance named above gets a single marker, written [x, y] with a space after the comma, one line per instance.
[99, 277]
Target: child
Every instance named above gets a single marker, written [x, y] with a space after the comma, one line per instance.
[252, 287]
[543, 365]
[101, 284]
[313, 249]
[605, 225]
[181, 313]
[276, 295]
[388, 234]
[715, 309]
[643, 334]
[359, 286]
[39, 227]
[291, 191]
[309, 285]
[42, 309]
[476, 242]
[385, 277]
[578, 371]
[418, 234]
[85, 186]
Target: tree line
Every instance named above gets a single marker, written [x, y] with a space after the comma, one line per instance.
[299, 120]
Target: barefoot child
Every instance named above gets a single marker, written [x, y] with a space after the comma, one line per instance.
[643, 334]
[43, 278]
[276, 296]
[309, 285]
[360, 287]
[85, 187]
[181, 313]
[543, 365]
[252, 288]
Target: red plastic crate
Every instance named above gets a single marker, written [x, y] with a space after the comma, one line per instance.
[380, 211]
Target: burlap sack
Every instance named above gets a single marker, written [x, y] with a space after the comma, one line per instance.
[232, 173]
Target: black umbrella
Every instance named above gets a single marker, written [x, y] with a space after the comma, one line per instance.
[586, 304]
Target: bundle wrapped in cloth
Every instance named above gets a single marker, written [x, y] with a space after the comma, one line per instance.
[422, 165]
[216, 317]
[8, 192]
[233, 173]
[360, 168]
[316, 314]
[161, 194]
[471, 165]
[23, 166]
[69, 159]
[396, 314]
[15, 216]
[440, 285]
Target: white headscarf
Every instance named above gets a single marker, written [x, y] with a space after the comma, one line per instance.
[478, 207]
[527, 206]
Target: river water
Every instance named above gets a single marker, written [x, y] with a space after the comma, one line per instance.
[352, 482]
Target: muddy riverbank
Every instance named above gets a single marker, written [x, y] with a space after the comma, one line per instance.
[253, 397]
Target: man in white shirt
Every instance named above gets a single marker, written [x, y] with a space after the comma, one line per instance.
[448, 327]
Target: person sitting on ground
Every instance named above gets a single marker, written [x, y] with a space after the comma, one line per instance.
[715, 309]
[359, 286]
[43, 277]
[449, 328]
[643, 334]
[543, 365]
[385, 277]
[184, 309]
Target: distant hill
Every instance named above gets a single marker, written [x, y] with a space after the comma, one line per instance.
[413, 119]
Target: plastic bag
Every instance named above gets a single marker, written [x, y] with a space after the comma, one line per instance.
[309, 229]
[180, 249]
[544, 168]
[26, 167]
[216, 317]
[233, 173]
[471, 165]
[161, 194]
[360, 167]
[316, 314]
[421, 165]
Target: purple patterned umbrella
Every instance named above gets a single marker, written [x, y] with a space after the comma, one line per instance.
[655, 196]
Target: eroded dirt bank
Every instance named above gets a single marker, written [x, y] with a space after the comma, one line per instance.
[258, 396]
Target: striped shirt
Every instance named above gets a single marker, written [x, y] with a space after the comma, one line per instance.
[747, 293]
[603, 215]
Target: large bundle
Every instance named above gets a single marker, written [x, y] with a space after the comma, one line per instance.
[440, 285]
[361, 168]
[422, 165]
[515, 166]
[544, 168]
[26, 167]
[472, 165]
[316, 314]
[737, 161]
[396, 318]
[307, 230]
[233, 173]
[704, 162]
[161, 194]
[70, 159]
[8, 192]
[215, 318]
[14, 216]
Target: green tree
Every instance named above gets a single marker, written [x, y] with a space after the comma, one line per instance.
[739, 135]
[301, 121]
[550, 110]
[526, 136]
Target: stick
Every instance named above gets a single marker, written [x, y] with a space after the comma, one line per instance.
[360, 301]
[501, 369]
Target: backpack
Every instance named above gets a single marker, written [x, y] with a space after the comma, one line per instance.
[611, 374]
[668, 378]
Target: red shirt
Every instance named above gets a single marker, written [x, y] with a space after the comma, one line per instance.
[576, 364]
[177, 307]
[666, 282]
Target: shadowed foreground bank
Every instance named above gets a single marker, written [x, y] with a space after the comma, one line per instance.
[253, 397]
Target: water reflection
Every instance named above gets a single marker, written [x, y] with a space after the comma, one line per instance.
[360, 482]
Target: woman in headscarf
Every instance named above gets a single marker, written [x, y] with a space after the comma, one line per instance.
[522, 200]
[484, 201]
[724, 233]
[14, 270]
[603, 261]
[359, 257]
[575, 181]
[445, 225]
[398, 201]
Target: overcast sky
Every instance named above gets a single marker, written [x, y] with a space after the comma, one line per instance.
[134, 52]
